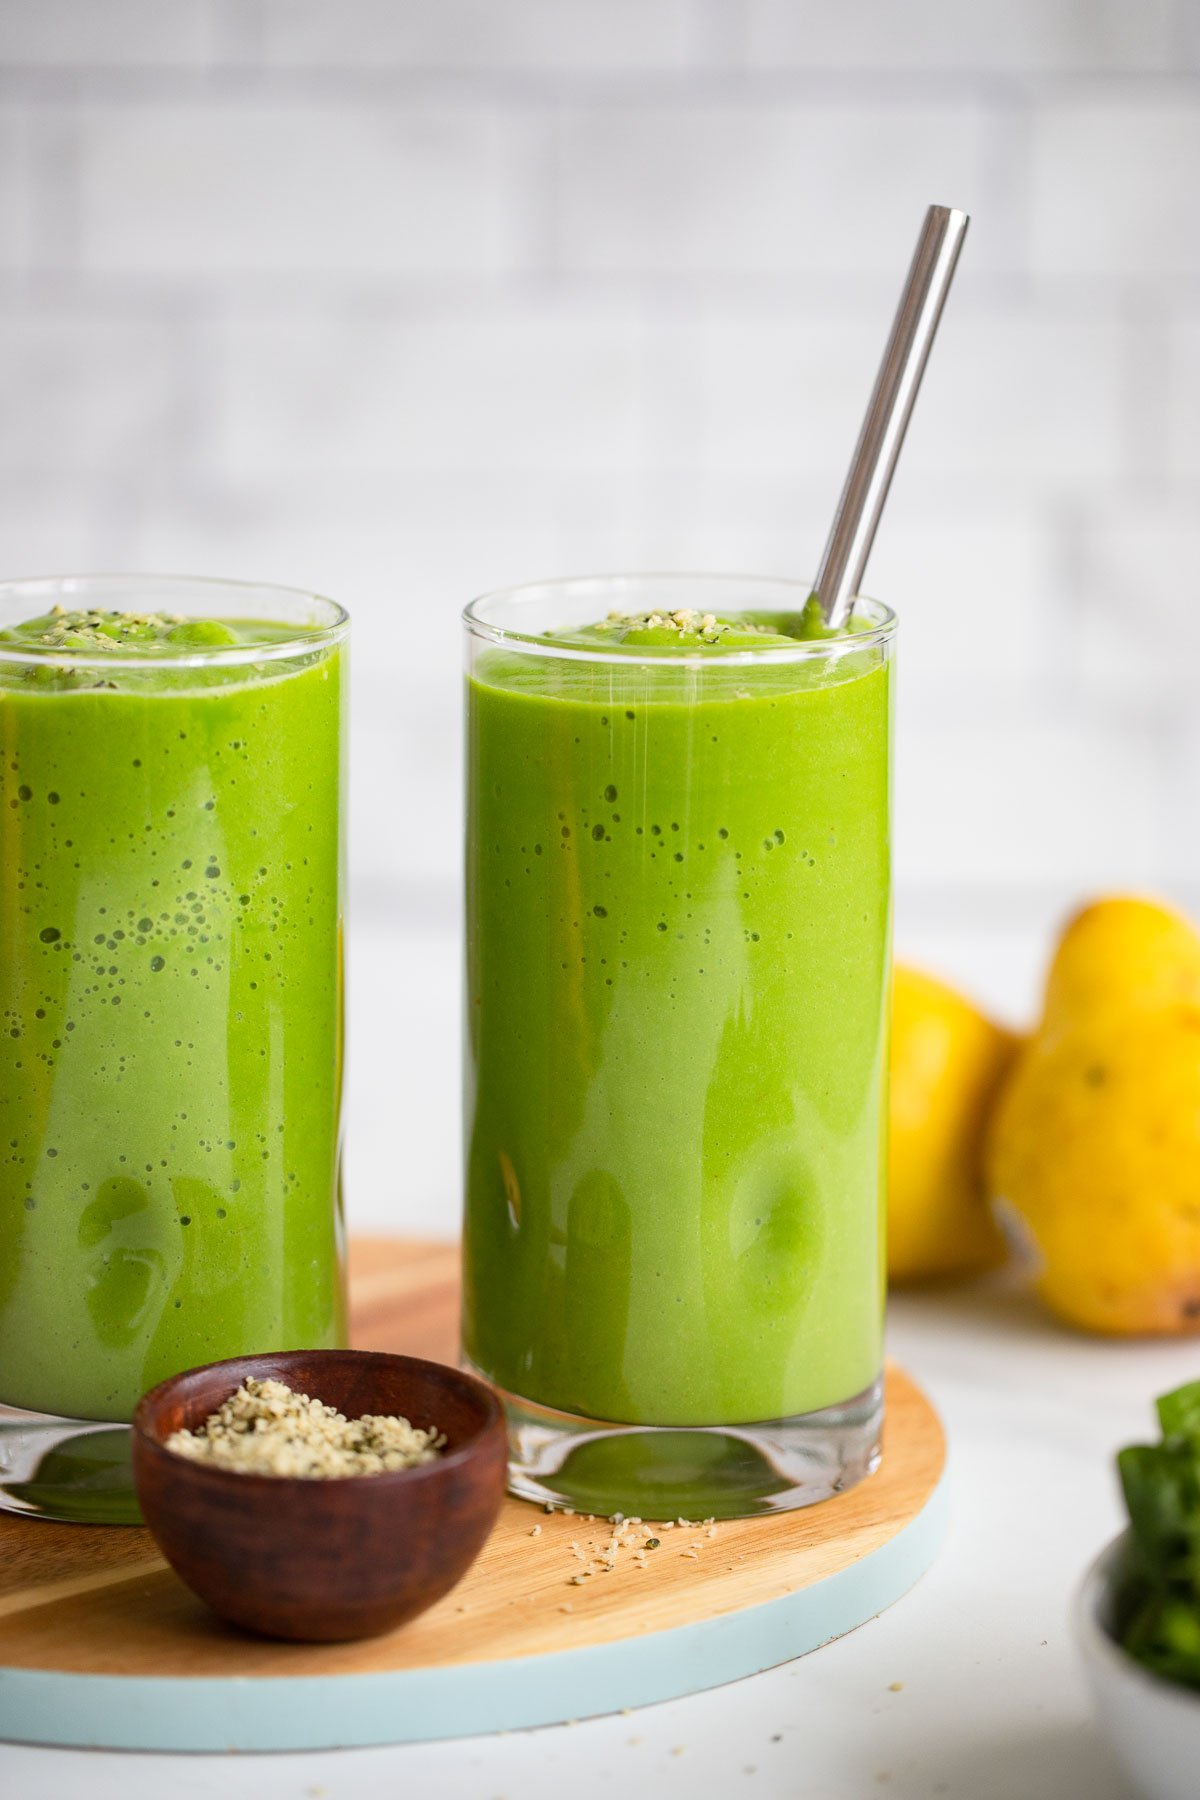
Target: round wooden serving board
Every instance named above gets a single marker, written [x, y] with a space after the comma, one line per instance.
[100, 1643]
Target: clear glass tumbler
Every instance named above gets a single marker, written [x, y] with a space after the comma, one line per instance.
[678, 957]
[171, 855]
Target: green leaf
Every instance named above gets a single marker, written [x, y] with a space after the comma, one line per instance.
[1179, 1412]
[1159, 1607]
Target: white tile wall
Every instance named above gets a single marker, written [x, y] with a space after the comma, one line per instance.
[322, 192]
[1135, 639]
[405, 299]
[111, 34]
[1113, 193]
[757, 186]
[1022, 397]
[1183, 414]
[403, 1084]
[979, 592]
[17, 202]
[532, 389]
[1040, 786]
[583, 36]
[85, 394]
[1010, 37]
[80, 524]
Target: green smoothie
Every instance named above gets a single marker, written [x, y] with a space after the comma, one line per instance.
[678, 931]
[170, 1000]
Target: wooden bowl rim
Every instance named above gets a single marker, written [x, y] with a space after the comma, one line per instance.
[185, 1467]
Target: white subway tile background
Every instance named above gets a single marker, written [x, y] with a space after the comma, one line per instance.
[405, 299]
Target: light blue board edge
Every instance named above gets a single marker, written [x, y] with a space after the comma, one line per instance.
[405, 1706]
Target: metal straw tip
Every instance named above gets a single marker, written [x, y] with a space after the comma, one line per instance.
[857, 518]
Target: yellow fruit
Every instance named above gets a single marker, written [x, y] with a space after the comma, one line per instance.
[1125, 951]
[947, 1061]
[1094, 1145]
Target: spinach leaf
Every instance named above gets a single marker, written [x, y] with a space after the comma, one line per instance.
[1159, 1612]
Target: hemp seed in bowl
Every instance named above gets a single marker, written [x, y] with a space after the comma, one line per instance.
[267, 1429]
[320, 1560]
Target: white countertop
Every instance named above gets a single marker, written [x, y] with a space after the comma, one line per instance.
[991, 1704]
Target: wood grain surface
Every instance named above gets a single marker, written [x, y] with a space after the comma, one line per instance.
[99, 1599]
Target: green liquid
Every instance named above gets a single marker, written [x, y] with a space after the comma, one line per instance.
[678, 913]
[170, 1008]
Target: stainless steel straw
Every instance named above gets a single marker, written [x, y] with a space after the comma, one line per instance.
[845, 560]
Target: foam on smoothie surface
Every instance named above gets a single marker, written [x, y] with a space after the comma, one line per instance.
[158, 637]
[687, 628]
[683, 656]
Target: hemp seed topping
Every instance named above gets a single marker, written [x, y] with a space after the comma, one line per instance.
[266, 1429]
[633, 1537]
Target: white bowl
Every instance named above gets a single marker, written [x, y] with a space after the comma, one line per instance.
[1152, 1724]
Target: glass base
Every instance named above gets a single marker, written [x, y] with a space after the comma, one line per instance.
[664, 1472]
[75, 1470]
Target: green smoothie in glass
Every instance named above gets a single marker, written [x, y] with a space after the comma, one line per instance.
[678, 929]
[170, 988]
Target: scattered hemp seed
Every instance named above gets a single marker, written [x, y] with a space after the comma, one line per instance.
[266, 1429]
[536, 1532]
[628, 1541]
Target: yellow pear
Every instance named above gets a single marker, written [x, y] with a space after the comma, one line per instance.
[1094, 1145]
[1126, 951]
[947, 1061]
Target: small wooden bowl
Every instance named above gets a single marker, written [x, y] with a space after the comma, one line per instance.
[323, 1560]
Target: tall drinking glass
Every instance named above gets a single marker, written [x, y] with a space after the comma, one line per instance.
[678, 941]
[171, 856]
